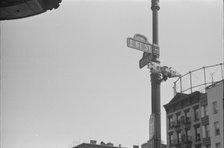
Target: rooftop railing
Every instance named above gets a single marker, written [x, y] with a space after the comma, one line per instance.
[199, 79]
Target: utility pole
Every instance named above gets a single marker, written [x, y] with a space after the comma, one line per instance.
[155, 142]
[151, 53]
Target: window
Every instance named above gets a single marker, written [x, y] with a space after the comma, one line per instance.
[178, 118]
[179, 137]
[197, 133]
[188, 138]
[217, 145]
[205, 131]
[204, 111]
[187, 115]
[171, 138]
[215, 109]
[188, 132]
[170, 120]
[216, 127]
[196, 113]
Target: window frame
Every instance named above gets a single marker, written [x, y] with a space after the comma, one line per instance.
[170, 122]
[215, 107]
[196, 113]
[197, 131]
[216, 128]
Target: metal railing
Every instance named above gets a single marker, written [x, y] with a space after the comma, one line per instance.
[199, 79]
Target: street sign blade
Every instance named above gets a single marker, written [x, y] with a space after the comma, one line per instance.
[145, 60]
[145, 47]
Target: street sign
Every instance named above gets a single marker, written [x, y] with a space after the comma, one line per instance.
[145, 60]
[151, 51]
[139, 45]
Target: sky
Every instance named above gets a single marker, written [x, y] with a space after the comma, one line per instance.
[67, 75]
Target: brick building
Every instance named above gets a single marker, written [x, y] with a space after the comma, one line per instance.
[196, 120]
[184, 121]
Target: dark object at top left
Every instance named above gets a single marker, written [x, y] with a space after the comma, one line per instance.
[14, 9]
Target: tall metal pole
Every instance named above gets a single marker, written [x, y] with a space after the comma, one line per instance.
[158, 74]
[155, 82]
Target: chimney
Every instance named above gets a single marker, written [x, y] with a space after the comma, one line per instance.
[92, 141]
[110, 144]
[102, 143]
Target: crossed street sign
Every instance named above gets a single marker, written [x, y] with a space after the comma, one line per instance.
[151, 51]
[145, 60]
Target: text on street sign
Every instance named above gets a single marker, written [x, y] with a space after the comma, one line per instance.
[139, 45]
[145, 47]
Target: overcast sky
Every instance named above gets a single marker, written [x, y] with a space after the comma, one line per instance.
[67, 75]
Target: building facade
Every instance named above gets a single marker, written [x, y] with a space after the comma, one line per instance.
[196, 120]
[215, 113]
[93, 144]
[183, 120]
[149, 145]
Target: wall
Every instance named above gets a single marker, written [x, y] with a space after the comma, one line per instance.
[215, 93]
